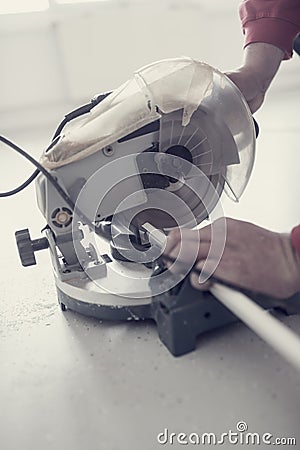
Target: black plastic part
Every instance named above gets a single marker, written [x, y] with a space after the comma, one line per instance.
[27, 246]
[296, 45]
[181, 152]
[256, 127]
[148, 171]
[184, 313]
[150, 128]
[63, 307]
[106, 258]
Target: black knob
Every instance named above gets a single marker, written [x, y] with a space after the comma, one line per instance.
[27, 246]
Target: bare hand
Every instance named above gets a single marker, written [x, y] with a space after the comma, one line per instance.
[254, 258]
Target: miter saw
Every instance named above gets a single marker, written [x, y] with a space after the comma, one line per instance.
[120, 172]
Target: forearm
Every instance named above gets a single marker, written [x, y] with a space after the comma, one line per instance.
[262, 60]
[260, 65]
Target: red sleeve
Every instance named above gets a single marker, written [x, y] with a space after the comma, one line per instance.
[295, 238]
[275, 22]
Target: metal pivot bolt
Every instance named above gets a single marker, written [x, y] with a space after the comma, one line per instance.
[27, 246]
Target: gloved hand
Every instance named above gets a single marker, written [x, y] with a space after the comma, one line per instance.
[254, 258]
[253, 78]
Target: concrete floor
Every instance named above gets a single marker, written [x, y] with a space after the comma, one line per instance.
[69, 382]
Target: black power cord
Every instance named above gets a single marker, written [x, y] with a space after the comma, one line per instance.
[22, 186]
[84, 109]
[51, 178]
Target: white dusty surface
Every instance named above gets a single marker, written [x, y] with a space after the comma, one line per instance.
[68, 382]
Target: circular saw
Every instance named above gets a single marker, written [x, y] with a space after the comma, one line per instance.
[154, 154]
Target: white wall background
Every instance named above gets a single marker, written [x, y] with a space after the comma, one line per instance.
[58, 58]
